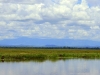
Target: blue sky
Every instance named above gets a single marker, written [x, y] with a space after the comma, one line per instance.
[44, 22]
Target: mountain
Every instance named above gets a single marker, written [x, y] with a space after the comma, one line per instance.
[51, 46]
[49, 42]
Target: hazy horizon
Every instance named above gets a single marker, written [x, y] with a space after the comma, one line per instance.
[44, 42]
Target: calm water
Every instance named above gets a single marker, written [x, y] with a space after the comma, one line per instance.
[61, 67]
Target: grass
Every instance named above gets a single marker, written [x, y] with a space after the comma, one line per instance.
[43, 54]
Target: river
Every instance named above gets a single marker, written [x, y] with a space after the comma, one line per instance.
[60, 67]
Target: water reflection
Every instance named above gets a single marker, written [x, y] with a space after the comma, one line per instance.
[67, 67]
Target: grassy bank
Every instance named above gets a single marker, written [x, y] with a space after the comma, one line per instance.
[32, 54]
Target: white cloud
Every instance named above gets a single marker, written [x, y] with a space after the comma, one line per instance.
[49, 19]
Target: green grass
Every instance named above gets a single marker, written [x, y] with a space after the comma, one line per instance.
[43, 54]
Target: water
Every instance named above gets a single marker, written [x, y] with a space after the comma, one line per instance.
[60, 67]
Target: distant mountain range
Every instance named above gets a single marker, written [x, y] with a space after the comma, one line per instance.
[51, 46]
[31, 42]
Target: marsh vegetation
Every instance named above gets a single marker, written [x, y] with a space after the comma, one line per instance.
[43, 54]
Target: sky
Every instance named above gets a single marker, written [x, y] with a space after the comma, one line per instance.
[46, 22]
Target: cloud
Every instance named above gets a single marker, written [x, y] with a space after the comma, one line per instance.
[61, 19]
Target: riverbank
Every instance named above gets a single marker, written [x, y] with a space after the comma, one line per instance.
[32, 54]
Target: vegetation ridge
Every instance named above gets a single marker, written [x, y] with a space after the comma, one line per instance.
[32, 53]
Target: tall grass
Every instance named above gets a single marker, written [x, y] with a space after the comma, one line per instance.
[43, 54]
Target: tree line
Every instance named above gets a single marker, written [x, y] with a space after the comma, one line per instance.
[63, 47]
